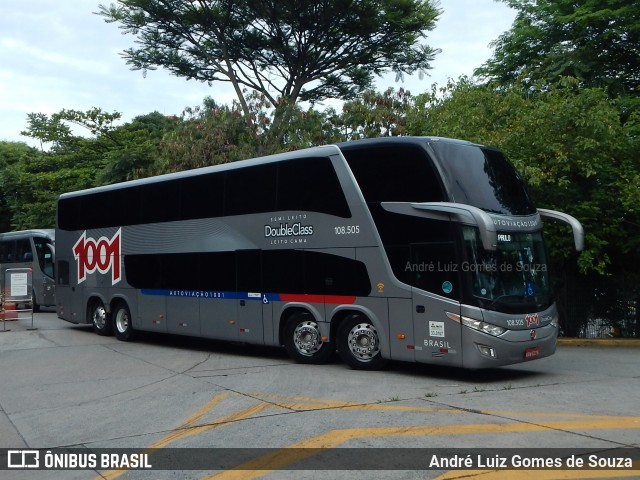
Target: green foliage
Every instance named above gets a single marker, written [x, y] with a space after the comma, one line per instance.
[376, 114]
[31, 180]
[11, 153]
[568, 144]
[562, 103]
[46, 130]
[595, 41]
[209, 135]
[133, 150]
[215, 134]
[32, 183]
[285, 51]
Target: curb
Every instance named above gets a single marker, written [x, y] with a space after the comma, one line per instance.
[599, 342]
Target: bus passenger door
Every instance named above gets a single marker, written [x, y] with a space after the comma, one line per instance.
[69, 300]
[436, 293]
[48, 281]
[249, 323]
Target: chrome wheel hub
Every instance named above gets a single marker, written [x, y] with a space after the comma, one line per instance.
[363, 342]
[307, 339]
[122, 321]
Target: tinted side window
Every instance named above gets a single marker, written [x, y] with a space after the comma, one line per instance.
[202, 196]
[251, 190]
[158, 202]
[311, 185]
[23, 251]
[277, 271]
[7, 251]
[188, 271]
[248, 271]
[300, 185]
[398, 173]
[283, 271]
[421, 251]
[295, 271]
[337, 275]
[434, 268]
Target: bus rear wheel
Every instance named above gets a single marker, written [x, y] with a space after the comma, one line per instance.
[100, 319]
[122, 324]
[303, 340]
[359, 343]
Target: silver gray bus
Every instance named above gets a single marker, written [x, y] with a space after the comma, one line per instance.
[413, 248]
[34, 249]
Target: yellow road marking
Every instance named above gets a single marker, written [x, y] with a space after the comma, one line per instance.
[320, 403]
[185, 428]
[188, 428]
[282, 458]
[301, 450]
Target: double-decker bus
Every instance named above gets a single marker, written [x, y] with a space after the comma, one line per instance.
[413, 248]
[34, 249]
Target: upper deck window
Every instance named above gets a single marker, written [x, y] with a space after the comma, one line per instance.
[305, 184]
[394, 173]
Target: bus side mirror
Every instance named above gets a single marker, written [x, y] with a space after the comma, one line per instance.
[576, 226]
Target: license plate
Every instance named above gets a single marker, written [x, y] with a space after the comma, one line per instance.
[531, 353]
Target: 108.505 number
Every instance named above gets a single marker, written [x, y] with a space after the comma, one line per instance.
[347, 229]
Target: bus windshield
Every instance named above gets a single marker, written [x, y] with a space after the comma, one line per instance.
[514, 277]
[484, 178]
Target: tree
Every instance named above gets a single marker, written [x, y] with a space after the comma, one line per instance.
[133, 150]
[11, 153]
[576, 156]
[595, 41]
[287, 51]
[214, 134]
[375, 114]
[31, 180]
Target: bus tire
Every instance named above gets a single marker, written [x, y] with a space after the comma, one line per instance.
[359, 343]
[122, 324]
[303, 340]
[100, 319]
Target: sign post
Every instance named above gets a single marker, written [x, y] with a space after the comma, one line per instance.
[18, 290]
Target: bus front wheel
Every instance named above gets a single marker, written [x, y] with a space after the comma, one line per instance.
[303, 340]
[359, 343]
[122, 324]
[100, 319]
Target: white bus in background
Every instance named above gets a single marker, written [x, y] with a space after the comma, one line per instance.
[416, 249]
[34, 249]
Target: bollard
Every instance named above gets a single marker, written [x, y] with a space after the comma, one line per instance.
[4, 324]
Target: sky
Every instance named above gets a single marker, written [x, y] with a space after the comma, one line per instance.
[57, 54]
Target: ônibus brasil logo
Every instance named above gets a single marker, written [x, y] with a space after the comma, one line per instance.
[102, 255]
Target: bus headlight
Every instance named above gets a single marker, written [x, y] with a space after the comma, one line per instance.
[479, 325]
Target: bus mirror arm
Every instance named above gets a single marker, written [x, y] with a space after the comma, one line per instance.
[576, 226]
[468, 215]
[459, 211]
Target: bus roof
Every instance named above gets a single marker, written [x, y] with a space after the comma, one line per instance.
[366, 142]
[44, 232]
[322, 151]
